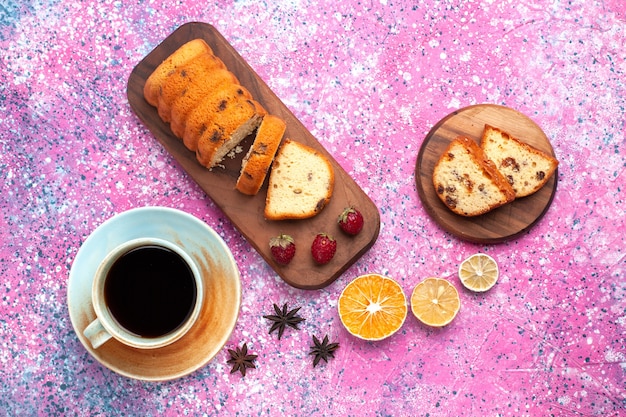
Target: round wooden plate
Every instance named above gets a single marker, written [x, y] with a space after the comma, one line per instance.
[503, 223]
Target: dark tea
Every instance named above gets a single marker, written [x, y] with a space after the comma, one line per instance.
[150, 291]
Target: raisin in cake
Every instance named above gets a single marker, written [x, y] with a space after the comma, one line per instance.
[301, 183]
[467, 182]
[527, 169]
[259, 158]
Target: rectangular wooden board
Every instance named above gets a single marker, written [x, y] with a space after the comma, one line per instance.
[246, 212]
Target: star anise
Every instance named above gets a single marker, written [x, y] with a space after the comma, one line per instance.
[322, 350]
[284, 318]
[241, 360]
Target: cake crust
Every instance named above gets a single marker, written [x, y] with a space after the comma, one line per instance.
[177, 81]
[181, 56]
[200, 118]
[193, 94]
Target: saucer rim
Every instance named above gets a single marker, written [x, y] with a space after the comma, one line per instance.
[134, 215]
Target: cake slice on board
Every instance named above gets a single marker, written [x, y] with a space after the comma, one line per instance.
[301, 182]
[229, 126]
[526, 168]
[467, 182]
[259, 158]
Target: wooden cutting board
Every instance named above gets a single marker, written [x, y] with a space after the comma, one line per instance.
[503, 223]
[246, 212]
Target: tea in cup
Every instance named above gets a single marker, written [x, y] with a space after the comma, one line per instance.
[147, 293]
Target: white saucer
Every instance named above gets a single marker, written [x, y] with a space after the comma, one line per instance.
[222, 292]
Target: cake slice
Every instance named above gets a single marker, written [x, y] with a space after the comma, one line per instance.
[229, 126]
[526, 168]
[200, 117]
[181, 56]
[467, 182]
[176, 82]
[301, 183]
[257, 161]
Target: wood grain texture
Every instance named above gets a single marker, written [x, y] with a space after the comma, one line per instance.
[503, 223]
[246, 212]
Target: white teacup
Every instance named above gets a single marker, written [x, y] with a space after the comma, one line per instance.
[147, 293]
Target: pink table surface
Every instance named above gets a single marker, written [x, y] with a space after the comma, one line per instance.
[369, 80]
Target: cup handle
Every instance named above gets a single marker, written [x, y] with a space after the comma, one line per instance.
[96, 334]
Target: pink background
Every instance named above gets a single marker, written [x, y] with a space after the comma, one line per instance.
[369, 79]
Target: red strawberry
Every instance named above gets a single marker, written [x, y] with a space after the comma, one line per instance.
[283, 248]
[323, 248]
[351, 221]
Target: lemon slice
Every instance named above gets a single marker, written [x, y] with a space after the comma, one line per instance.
[435, 302]
[372, 307]
[479, 272]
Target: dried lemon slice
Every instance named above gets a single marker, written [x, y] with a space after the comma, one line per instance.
[372, 307]
[479, 272]
[435, 302]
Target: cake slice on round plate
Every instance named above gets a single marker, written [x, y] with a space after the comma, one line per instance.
[526, 168]
[467, 182]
